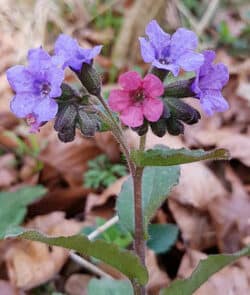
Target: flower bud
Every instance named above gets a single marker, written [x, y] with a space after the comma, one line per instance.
[143, 129]
[174, 126]
[182, 111]
[159, 128]
[90, 79]
[65, 122]
[180, 89]
[87, 121]
[160, 73]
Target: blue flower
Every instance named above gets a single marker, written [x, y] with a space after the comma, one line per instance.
[35, 87]
[208, 84]
[72, 54]
[170, 52]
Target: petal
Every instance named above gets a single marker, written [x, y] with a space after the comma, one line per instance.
[66, 43]
[213, 101]
[119, 100]
[147, 51]
[173, 68]
[23, 104]
[132, 116]
[181, 41]
[46, 110]
[89, 54]
[67, 48]
[157, 36]
[209, 56]
[20, 79]
[130, 80]
[153, 85]
[216, 78]
[55, 77]
[152, 109]
[190, 61]
[38, 59]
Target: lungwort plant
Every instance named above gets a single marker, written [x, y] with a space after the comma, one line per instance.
[156, 102]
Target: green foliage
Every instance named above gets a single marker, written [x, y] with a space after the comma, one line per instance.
[157, 182]
[102, 173]
[115, 234]
[121, 259]
[162, 237]
[162, 156]
[203, 272]
[28, 147]
[239, 45]
[109, 287]
[14, 206]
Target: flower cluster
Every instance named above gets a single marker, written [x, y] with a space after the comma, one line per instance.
[41, 95]
[38, 84]
[140, 105]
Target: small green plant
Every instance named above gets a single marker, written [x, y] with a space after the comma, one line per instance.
[116, 234]
[102, 173]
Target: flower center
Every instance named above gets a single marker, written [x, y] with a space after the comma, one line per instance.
[138, 95]
[45, 88]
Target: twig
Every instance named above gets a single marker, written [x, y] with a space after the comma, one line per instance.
[207, 16]
[103, 227]
[88, 265]
[85, 263]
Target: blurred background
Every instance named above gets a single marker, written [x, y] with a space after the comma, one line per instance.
[66, 188]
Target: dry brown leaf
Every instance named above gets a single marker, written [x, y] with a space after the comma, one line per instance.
[198, 186]
[237, 144]
[231, 280]
[196, 227]
[30, 264]
[107, 143]
[8, 173]
[157, 278]
[77, 284]
[69, 159]
[231, 215]
[7, 289]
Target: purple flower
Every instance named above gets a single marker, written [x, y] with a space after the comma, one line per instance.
[208, 84]
[35, 86]
[72, 54]
[170, 52]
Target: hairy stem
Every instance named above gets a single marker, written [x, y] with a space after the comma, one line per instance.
[139, 242]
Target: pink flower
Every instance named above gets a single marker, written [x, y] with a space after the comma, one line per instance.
[137, 99]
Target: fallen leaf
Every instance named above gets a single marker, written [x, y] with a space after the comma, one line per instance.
[8, 173]
[157, 278]
[77, 284]
[30, 264]
[196, 227]
[231, 215]
[198, 186]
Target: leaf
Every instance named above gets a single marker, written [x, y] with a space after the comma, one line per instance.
[162, 237]
[14, 206]
[122, 260]
[203, 272]
[157, 182]
[168, 157]
[109, 287]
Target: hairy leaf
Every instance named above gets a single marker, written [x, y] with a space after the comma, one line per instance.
[157, 182]
[109, 287]
[203, 272]
[123, 260]
[14, 206]
[168, 157]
